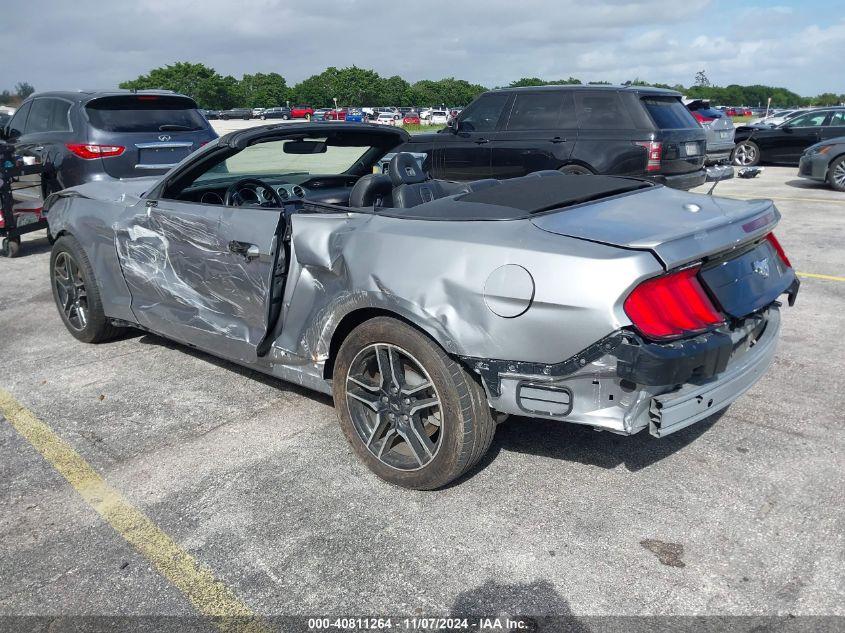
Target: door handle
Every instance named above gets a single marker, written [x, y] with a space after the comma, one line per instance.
[481, 141]
[558, 139]
[249, 251]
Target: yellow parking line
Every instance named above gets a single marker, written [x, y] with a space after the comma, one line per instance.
[817, 276]
[208, 595]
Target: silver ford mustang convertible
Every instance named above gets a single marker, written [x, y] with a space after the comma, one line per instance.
[431, 310]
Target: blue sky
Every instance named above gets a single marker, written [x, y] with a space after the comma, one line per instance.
[90, 43]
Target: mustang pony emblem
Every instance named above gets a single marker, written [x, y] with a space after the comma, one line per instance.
[761, 267]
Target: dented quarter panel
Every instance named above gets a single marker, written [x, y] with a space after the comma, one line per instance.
[433, 273]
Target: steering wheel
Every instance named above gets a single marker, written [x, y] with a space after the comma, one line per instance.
[233, 198]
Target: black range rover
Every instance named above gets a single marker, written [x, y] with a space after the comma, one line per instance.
[627, 131]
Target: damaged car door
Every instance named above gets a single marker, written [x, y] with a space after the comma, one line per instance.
[204, 274]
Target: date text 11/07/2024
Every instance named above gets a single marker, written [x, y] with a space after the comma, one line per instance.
[419, 624]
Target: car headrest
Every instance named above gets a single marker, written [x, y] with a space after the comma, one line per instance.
[405, 170]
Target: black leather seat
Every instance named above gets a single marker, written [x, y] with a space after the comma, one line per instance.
[372, 190]
[411, 186]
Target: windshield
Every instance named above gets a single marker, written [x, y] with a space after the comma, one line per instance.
[145, 113]
[271, 159]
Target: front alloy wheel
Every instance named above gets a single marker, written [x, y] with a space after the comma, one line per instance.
[836, 174]
[746, 154]
[71, 296]
[394, 406]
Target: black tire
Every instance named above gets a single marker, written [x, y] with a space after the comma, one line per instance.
[746, 154]
[263, 118]
[836, 174]
[285, 117]
[94, 327]
[466, 426]
[575, 170]
[10, 247]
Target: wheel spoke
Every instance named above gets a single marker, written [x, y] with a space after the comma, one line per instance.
[409, 391]
[363, 384]
[365, 398]
[387, 443]
[82, 315]
[414, 443]
[379, 428]
[421, 405]
[397, 372]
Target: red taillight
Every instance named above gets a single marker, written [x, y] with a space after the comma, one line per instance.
[671, 306]
[702, 119]
[654, 151]
[89, 151]
[778, 248]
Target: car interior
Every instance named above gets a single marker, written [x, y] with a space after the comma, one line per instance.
[263, 183]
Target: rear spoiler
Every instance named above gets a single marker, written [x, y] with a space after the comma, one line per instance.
[757, 219]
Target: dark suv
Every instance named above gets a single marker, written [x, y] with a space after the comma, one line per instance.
[628, 131]
[85, 136]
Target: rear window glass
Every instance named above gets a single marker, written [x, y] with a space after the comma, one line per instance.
[668, 113]
[601, 111]
[145, 113]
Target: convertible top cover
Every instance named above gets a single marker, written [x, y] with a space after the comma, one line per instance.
[521, 197]
[534, 195]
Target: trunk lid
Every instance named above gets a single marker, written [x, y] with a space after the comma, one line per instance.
[157, 132]
[678, 227]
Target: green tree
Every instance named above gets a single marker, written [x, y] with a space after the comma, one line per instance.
[204, 84]
[536, 81]
[827, 99]
[23, 90]
[350, 86]
[395, 91]
[701, 79]
[449, 92]
[6, 97]
[263, 90]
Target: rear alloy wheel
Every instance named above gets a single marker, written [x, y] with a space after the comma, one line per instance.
[413, 415]
[746, 154]
[285, 117]
[575, 170]
[76, 293]
[836, 174]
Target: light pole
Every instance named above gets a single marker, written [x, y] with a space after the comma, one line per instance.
[335, 103]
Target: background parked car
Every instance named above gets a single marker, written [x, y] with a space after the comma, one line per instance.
[630, 131]
[236, 113]
[256, 112]
[825, 162]
[438, 117]
[356, 115]
[411, 118]
[778, 116]
[335, 115]
[319, 114]
[301, 112]
[276, 113]
[385, 118]
[210, 115]
[4, 119]
[80, 137]
[785, 143]
[718, 127]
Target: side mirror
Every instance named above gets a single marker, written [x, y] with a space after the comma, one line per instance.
[453, 125]
[10, 134]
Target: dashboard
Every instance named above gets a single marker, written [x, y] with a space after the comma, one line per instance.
[291, 189]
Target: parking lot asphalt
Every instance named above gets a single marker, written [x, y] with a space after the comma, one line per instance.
[252, 478]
